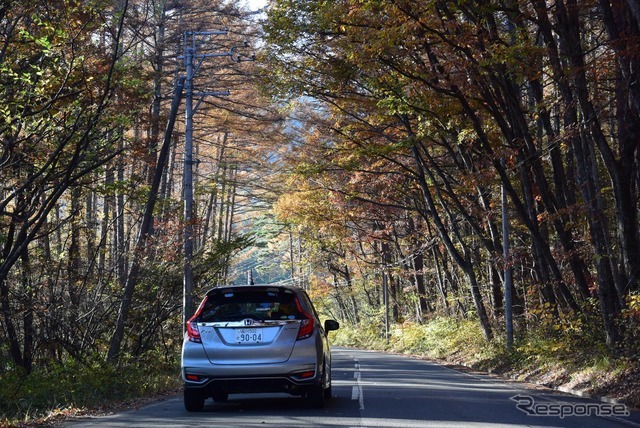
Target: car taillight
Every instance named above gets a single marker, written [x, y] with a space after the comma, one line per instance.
[193, 333]
[306, 326]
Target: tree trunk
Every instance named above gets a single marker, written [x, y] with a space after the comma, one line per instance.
[462, 260]
[29, 307]
[622, 28]
[145, 230]
[608, 283]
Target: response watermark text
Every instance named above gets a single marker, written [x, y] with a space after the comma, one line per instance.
[528, 405]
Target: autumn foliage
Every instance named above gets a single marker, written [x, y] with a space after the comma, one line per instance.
[369, 154]
[424, 112]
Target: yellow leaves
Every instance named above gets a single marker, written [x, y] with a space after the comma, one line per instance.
[316, 213]
[633, 301]
[306, 204]
[466, 136]
[633, 307]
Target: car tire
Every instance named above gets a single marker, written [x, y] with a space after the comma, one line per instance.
[327, 381]
[317, 394]
[220, 396]
[315, 397]
[327, 393]
[193, 400]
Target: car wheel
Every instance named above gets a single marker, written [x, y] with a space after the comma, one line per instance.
[327, 393]
[317, 394]
[220, 396]
[193, 400]
[327, 390]
[315, 397]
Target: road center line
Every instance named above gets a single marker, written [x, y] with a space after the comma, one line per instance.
[356, 391]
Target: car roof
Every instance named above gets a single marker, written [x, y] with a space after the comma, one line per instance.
[224, 288]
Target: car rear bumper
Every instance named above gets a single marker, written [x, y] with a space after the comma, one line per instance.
[296, 382]
[252, 386]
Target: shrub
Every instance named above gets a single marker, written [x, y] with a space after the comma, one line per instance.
[88, 384]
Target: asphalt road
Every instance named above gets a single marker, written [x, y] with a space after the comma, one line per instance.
[372, 389]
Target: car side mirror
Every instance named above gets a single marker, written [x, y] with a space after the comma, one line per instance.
[330, 325]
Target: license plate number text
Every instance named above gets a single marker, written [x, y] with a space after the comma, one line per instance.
[248, 335]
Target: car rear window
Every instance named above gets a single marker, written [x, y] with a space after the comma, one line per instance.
[257, 304]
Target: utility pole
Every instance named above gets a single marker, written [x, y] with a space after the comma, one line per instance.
[385, 299]
[193, 61]
[508, 313]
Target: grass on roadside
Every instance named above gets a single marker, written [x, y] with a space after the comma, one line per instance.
[73, 387]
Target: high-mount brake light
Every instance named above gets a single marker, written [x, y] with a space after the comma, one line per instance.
[193, 333]
[306, 326]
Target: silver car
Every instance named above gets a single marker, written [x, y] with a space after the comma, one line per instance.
[252, 339]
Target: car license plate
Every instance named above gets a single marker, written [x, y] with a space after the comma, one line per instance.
[248, 335]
